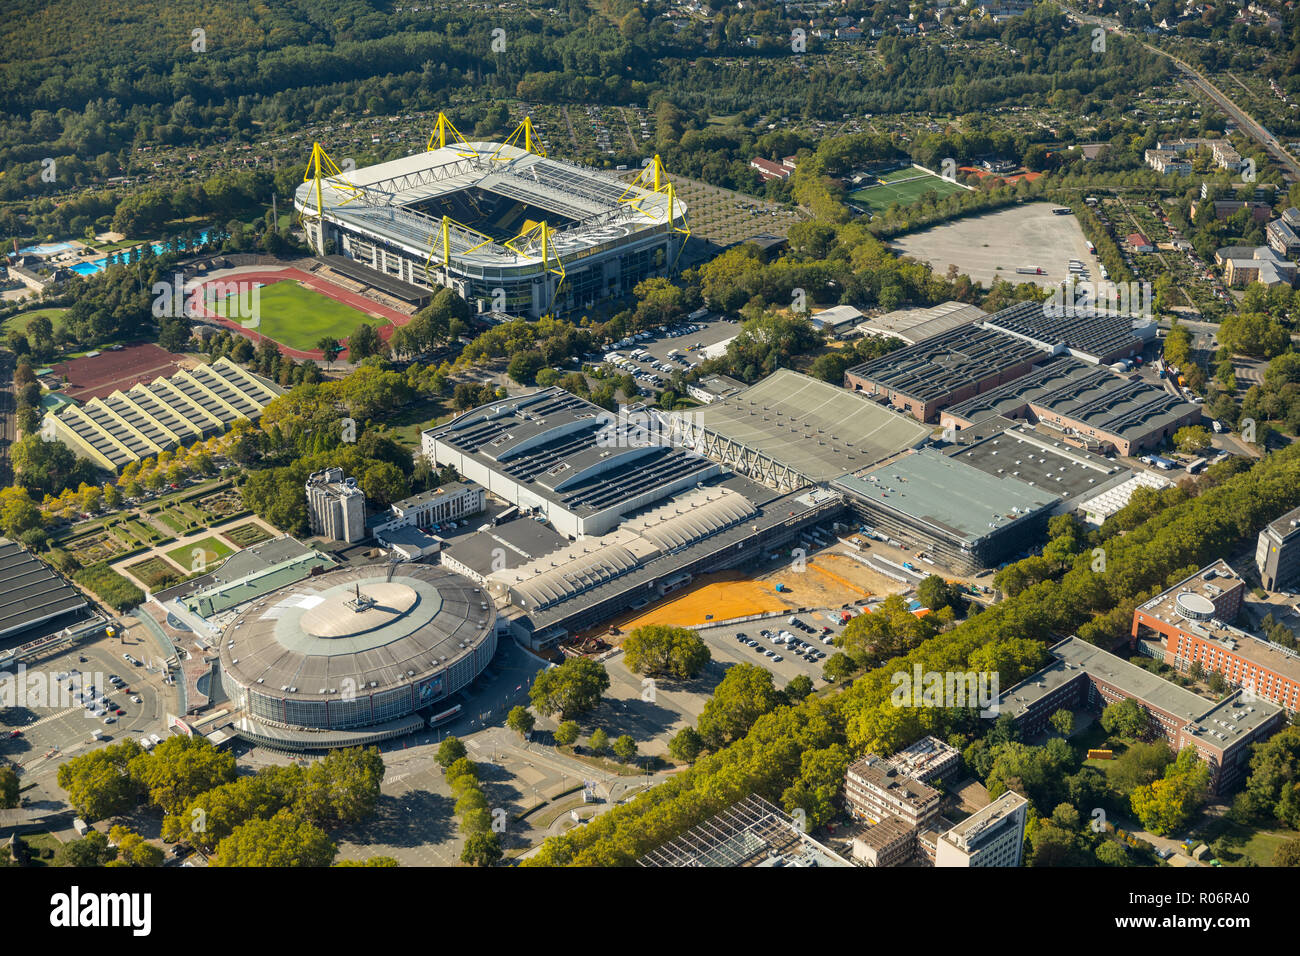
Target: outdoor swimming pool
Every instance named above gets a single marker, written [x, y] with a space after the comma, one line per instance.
[46, 249]
[98, 265]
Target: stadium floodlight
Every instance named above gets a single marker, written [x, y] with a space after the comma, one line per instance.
[468, 233]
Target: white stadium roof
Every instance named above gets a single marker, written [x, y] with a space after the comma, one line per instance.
[377, 200]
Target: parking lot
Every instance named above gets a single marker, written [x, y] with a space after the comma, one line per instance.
[674, 348]
[781, 658]
[51, 734]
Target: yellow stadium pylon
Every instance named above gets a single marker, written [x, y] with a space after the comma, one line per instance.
[530, 142]
[440, 131]
[540, 233]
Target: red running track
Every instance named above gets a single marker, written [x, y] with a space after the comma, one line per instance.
[316, 284]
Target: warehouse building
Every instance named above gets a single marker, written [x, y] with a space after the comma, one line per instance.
[31, 594]
[1097, 336]
[790, 430]
[966, 518]
[916, 325]
[956, 365]
[169, 412]
[1020, 452]
[553, 453]
[1091, 406]
[657, 552]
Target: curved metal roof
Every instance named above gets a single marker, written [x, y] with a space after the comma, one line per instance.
[567, 578]
[693, 520]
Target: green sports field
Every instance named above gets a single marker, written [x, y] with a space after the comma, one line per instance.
[903, 186]
[299, 317]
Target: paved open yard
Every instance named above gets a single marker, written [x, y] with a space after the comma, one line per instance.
[994, 245]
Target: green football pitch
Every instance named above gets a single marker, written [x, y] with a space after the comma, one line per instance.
[903, 187]
[299, 317]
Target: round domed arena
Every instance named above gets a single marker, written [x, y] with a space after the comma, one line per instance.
[355, 648]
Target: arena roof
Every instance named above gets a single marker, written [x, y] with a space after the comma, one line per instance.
[168, 412]
[585, 564]
[30, 592]
[959, 500]
[940, 365]
[1088, 332]
[306, 640]
[377, 200]
[658, 566]
[815, 428]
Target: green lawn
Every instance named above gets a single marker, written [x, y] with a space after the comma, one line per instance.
[23, 319]
[1244, 843]
[299, 317]
[902, 186]
[214, 550]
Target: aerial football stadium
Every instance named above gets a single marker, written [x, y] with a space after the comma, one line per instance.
[351, 656]
[509, 229]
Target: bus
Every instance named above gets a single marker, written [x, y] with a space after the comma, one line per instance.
[446, 715]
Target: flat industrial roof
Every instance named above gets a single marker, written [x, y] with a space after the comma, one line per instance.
[810, 426]
[30, 591]
[519, 541]
[1094, 333]
[948, 494]
[570, 451]
[940, 365]
[917, 325]
[1021, 453]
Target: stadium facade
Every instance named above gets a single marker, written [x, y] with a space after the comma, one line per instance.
[506, 227]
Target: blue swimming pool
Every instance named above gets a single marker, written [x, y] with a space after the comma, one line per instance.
[98, 265]
[46, 249]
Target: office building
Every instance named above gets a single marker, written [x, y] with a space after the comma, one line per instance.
[995, 836]
[336, 507]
